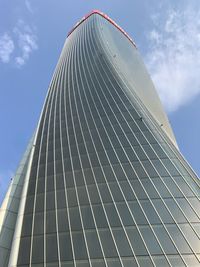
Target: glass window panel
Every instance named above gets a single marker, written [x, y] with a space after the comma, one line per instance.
[122, 156]
[79, 246]
[99, 176]
[149, 151]
[136, 241]
[160, 167]
[103, 158]
[94, 160]
[112, 215]
[187, 209]
[100, 217]
[40, 185]
[76, 163]
[132, 139]
[39, 224]
[160, 261]
[191, 260]
[164, 239]
[10, 218]
[119, 172]
[139, 169]
[150, 212]
[50, 183]
[125, 214]
[94, 195]
[191, 237]
[98, 263]
[83, 196]
[24, 251]
[39, 202]
[174, 190]
[149, 187]
[65, 247]
[140, 153]
[150, 240]
[150, 169]
[125, 141]
[139, 191]
[66, 264]
[130, 262]
[116, 192]
[59, 170]
[51, 222]
[87, 217]
[89, 175]
[51, 248]
[161, 187]
[61, 199]
[75, 219]
[171, 168]
[137, 213]
[69, 179]
[129, 171]
[29, 204]
[178, 239]
[71, 196]
[93, 245]
[175, 211]
[122, 243]
[128, 191]
[150, 137]
[105, 194]
[195, 202]
[27, 225]
[74, 151]
[68, 165]
[38, 249]
[79, 178]
[112, 157]
[108, 244]
[63, 224]
[85, 161]
[160, 150]
[145, 261]
[50, 201]
[184, 187]
[162, 211]
[113, 263]
[109, 174]
[81, 147]
[90, 147]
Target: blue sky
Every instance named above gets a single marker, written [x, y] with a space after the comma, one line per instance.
[32, 34]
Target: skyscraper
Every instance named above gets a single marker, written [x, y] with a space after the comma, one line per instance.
[102, 182]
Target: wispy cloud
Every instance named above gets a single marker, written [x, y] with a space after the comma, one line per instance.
[28, 6]
[17, 44]
[174, 57]
[27, 42]
[6, 47]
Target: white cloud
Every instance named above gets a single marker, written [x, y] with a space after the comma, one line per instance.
[174, 57]
[28, 6]
[6, 47]
[27, 42]
[17, 44]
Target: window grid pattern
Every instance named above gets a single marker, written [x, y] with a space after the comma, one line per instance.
[106, 187]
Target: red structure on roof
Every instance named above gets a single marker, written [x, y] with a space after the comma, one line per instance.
[105, 17]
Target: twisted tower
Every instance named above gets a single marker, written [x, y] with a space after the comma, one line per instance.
[102, 183]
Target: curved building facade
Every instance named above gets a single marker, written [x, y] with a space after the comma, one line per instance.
[102, 183]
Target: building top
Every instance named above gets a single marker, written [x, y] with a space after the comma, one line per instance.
[95, 11]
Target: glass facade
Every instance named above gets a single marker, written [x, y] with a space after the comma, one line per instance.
[106, 186]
